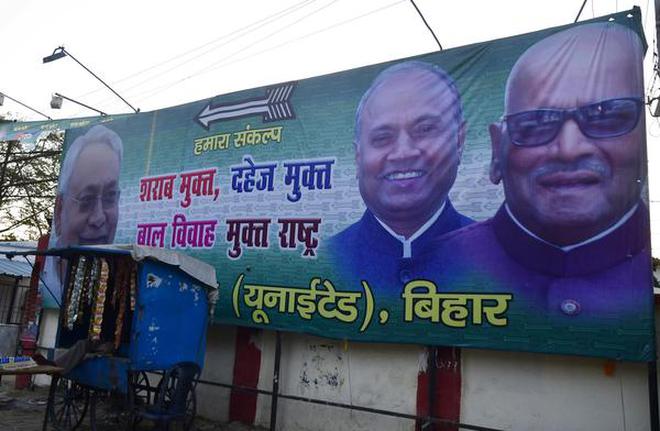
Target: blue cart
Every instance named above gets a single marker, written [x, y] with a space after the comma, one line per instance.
[156, 323]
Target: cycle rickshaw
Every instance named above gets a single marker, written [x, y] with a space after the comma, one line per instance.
[151, 306]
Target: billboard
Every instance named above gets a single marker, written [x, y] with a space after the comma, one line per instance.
[487, 196]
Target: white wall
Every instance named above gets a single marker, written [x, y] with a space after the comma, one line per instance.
[502, 390]
[382, 376]
[48, 328]
[518, 391]
[213, 401]
[47, 335]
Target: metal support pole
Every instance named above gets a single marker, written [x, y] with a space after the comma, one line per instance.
[432, 372]
[81, 104]
[426, 24]
[25, 106]
[276, 381]
[580, 12]
[653, 395]
[102, 81]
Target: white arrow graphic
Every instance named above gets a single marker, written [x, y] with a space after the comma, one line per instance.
[273, 107]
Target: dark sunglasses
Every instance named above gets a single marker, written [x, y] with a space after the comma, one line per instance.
[604, 119]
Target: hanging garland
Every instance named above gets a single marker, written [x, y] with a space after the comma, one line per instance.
[97, 316]
[87, 281]
[133, 281]
[72, 312]
[122, 288]
[71, 283]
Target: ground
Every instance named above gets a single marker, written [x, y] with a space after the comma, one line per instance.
[23, 410]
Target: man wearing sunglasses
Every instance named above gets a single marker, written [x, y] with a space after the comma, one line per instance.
[86, 207]
[572, 237]
[409, 136]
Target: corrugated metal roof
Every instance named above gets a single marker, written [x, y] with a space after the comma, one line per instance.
[15, 268]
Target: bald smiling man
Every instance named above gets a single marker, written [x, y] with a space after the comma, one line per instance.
[572, 237]
[409, 137]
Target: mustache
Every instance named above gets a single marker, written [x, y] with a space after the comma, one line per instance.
[596, 166]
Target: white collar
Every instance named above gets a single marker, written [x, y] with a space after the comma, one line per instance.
[407, 242]
[570, 247]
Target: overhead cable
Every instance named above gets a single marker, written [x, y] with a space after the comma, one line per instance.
[330, 27]
[236, 35]
[244, 48]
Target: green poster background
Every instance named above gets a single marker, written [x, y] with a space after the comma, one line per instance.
[163, 143]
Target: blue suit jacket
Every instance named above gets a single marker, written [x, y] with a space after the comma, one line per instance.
[595, 299]
[608, 277]
[366, 251]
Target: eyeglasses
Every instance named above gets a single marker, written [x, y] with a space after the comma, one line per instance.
[604, 119]
[87, 203]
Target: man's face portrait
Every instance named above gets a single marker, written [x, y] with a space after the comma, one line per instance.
[570, 150]
[408, 145]
[87, 211]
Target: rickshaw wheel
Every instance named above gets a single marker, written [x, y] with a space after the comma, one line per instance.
[191, 404]
[109, 411]
[139, 392]
[69, 404]
[191, 410]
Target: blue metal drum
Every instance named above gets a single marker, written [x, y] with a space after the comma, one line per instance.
[170, 318]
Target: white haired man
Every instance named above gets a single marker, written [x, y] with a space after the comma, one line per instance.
[86, 207]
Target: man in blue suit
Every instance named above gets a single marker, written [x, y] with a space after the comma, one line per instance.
[571, 241]
[409, 136]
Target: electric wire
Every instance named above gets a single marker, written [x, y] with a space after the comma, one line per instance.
[330, 27]
[244, 48]
[593, 11]
[212, 66]
[243, 31]
[237, 34]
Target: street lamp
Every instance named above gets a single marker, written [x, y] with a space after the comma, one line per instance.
[60, 52]
[56, 103]
[2, 101]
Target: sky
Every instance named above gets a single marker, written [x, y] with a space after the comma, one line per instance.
[158, 54]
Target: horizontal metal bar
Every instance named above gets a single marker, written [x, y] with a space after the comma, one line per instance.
[350, 406]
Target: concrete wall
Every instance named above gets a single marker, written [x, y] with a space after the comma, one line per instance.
[501, 390]
[516, 391]
[213, 401]
[381, 376]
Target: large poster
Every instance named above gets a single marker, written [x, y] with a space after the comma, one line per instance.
[488, 196]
